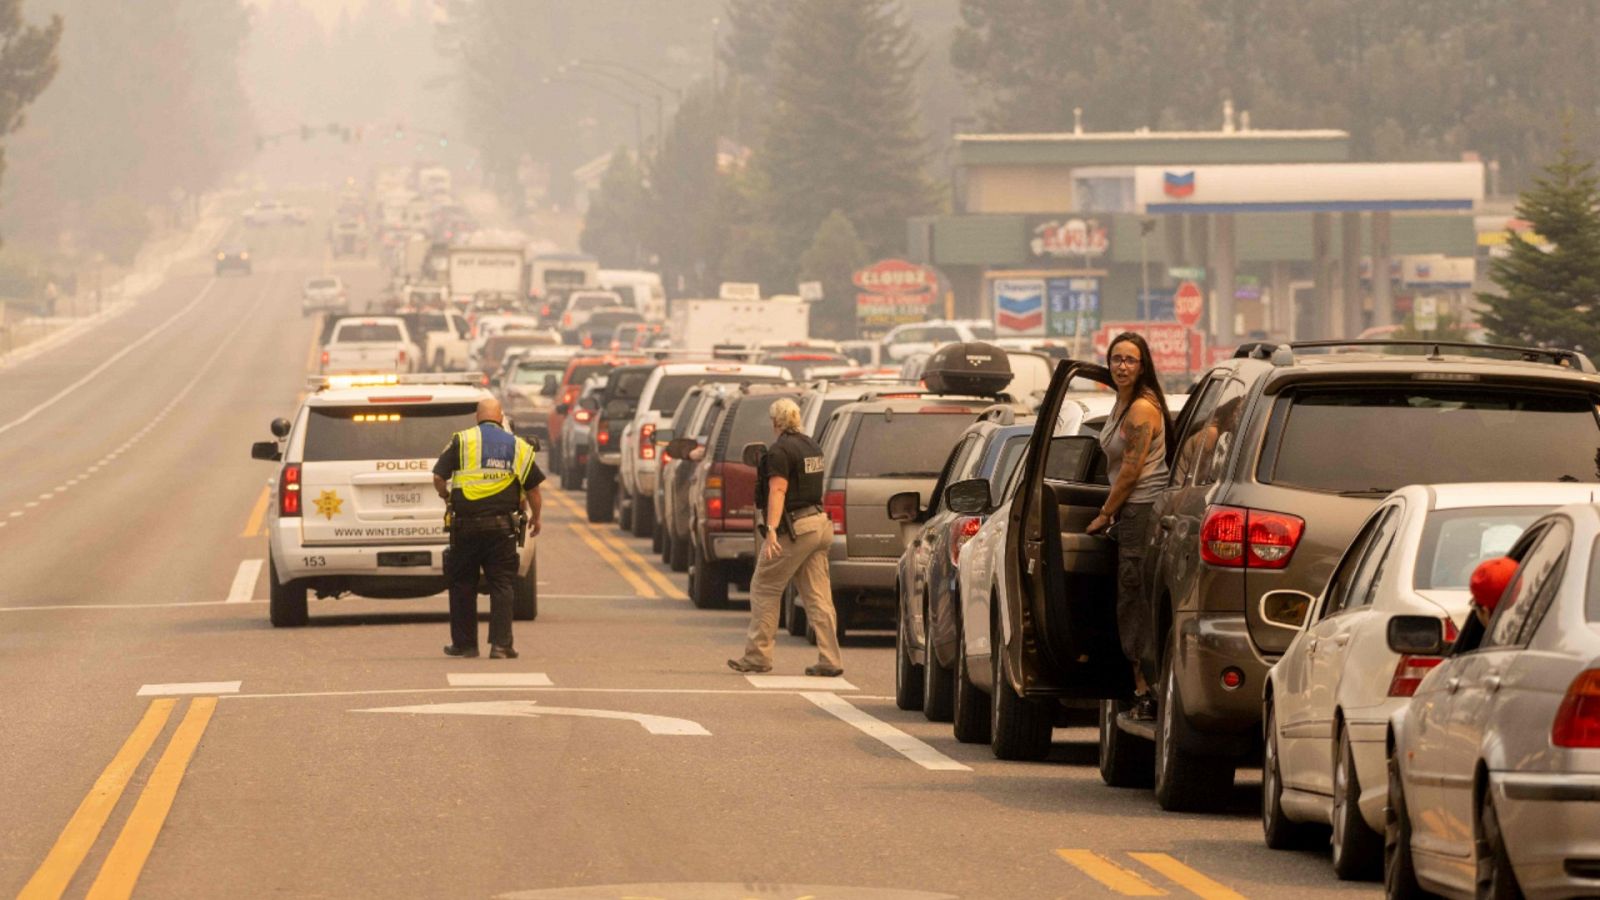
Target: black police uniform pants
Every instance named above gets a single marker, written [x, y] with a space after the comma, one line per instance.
[494, 553]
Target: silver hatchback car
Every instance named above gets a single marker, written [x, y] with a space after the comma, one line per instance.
[1494, 766]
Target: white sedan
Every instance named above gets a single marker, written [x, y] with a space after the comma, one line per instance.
[1329, 698]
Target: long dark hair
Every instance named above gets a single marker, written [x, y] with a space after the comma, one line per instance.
[1146, 382]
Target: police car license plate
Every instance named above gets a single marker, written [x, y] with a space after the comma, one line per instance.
[402, 498]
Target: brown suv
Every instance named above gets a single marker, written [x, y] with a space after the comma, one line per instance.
[1279, 455]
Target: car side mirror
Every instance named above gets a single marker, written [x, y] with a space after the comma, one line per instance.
[753, 453]
[905, 506]
[533, 441]
[1286, 609]
[563, 408]
[680, 448]
[970, 497]
[280, 428]
[1417, 636]
[267, 450]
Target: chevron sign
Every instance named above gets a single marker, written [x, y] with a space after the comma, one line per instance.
[1019, 306]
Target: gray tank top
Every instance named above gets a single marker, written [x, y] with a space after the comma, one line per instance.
[1152, 475]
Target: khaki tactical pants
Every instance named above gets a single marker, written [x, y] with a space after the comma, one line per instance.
[805, 561]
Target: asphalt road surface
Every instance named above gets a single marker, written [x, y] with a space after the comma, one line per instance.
[158, 737]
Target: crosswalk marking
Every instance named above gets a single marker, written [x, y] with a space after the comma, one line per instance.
[498, 679]
[897, 740]
[1196, 883]
[800, 683]
[192, 687]
[1108, 873]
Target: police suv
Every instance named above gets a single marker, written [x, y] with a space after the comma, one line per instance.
[354, 509]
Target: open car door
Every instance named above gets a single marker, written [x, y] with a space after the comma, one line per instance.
[1059, 624]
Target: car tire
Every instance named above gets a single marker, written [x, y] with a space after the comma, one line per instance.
[970, 716]
[1184, 780]
[1399, 871]
[1019, 728]
[525, 602]
[599, 503]
[907, 674]
[938, 688]
[621, 509]
[795, 613]
[679, 561]
[1357, 849]
[1496, 878]
[708, 583]
[287, 606]
[1279, 831]
[568, 473]
[664, 537]
[643, 514]
[1126, 761]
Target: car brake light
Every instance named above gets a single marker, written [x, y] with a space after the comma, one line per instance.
[1409, 672]
[833, 505]
[1240, 538]
[713, 493]
[566, 321]
[588, 341]
[1578, 719]
[583, 416]
[324, 357]
[647, 441]
[401, 357]
[545, 310]
[604, 437]
[713, 507]
[289, 490]
[961, 531]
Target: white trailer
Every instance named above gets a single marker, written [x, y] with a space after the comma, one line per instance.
[701, 325]
[494, 270]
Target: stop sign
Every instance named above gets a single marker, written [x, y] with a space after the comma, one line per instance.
[1187, 303]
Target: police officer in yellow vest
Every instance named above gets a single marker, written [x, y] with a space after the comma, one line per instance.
[488, 475]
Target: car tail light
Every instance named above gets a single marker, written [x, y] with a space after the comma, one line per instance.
[566, 321]
[833, 505]
[324, 357]
[289, 490]
[1240, 538]
[647, 441]
[603, 438]
[583, 416]
[545, 310]
[1409, 672]
[1578, 719]
[961, 531]
[400, 357]
[588, 341]
[713, 494]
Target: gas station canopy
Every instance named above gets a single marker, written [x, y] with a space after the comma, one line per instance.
[1309, 188]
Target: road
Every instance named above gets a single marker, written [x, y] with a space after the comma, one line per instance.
[158, 735]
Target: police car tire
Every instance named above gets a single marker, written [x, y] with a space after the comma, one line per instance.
[644, 515]
[287, 607]
[600, 496]
[525, 602]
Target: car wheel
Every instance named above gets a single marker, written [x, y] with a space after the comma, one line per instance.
[937, 680]
[600, 502]
[970, 717]
[1496, 879]
[795, 620]
[907, 674]
[1019, 728]
[708, 583]
[287, 606]
[680, 554]
[1185, 780]
[1279, 831]
[1357, 849]
[525, 603]
[665, 537]
[643, 515]
[658, 540]
[568, 473]
[1399, 873]
[1125, 760]
[621, 509]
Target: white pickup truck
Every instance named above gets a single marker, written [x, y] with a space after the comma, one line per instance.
[446, 339]
[378, 344]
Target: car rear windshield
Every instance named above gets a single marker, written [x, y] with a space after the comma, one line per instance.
[1373, 440]
[358, 333]
[904, 445]
[384, 432]
[322, 283]
[752, 421]
[1454, 541]
[581, 373]
[627, 384]
[594, 301]
[672, 388]
[536, 372]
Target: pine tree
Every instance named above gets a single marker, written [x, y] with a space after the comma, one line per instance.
[843, 133]
[613, 227]
[836, 252]
[1552, 298]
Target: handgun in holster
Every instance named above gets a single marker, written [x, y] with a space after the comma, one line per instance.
[519, 523]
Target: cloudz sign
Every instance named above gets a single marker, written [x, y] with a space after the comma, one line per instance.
[892, 292]
[1069, 238]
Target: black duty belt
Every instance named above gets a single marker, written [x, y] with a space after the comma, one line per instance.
[482, 523]
[800, 512]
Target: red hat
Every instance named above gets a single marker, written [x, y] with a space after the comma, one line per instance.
[1489, 581]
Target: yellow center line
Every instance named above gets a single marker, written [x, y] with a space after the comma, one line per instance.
[1197, 884]
[63, 860]
[598, 546]
[258, 513]
[665, 584]
[1110, 874]
[125, 862]
[311, 351]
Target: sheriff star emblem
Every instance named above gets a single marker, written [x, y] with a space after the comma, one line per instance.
[329, 504]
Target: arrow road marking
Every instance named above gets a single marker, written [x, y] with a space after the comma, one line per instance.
[531, 709]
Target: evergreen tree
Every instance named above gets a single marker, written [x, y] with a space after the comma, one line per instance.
[685, 228]
[836, 252]
[613, 227]
[27, 64]
[844, 131]
[1552, 298]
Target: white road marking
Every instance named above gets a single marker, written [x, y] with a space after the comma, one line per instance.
[112, 606]
[800, 683]
[110, 361]
[191, 687]
[897, 740]
[664, 725]
[244, 581]
[31, 504]
[16, 514]
[498, 679]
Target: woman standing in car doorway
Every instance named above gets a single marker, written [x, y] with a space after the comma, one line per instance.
[1135, 442]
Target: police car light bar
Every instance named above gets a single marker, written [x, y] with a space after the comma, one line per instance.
[338, 382]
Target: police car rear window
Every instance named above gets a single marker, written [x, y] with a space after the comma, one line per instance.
[357, 332]
[906, 445]
[383, 431]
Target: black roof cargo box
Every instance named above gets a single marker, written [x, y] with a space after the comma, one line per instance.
[972, 368]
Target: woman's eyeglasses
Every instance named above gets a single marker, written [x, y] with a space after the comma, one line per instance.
[1126, 361]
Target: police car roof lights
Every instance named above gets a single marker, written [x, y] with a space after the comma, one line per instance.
[342, 382]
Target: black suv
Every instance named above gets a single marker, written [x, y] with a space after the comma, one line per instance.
[1279, 455]
[614, 410]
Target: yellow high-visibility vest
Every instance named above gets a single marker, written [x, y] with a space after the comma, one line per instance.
[486, 471]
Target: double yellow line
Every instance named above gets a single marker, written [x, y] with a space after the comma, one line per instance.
[1129, 883]
[643, 576]
[123, 864]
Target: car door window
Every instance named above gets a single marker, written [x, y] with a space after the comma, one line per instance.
[1215, 440]
[953, 469]
[1530, 594]
[943, 334]
[911, 336]
[1345, 574]
[1364, 586]
[1189, 443]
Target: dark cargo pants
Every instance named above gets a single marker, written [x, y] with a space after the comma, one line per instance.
[1136, 612]
[476, 547]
